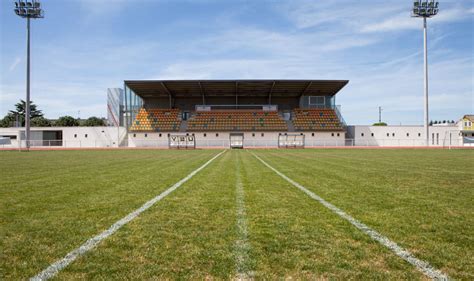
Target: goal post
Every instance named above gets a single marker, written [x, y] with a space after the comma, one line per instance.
[291, 141]
[182, 141]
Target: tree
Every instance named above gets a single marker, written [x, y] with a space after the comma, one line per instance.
[8, 121]
[20, 109]
[66, 121]
[40, 121]
[379, 124]
[93, 122]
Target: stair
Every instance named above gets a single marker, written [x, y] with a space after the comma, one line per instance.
[290, 126]
[184, 126]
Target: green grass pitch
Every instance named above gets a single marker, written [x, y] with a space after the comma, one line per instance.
[236, 217]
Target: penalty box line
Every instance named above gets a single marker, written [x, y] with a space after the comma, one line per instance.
[59, 265]
[421, 265]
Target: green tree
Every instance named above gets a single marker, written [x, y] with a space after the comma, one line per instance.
[93, 122]
[20, 109]
[66, 121]
[379, 124]
[40, 121]
[8, 121]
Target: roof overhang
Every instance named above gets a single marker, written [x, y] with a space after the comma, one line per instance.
[223, 88]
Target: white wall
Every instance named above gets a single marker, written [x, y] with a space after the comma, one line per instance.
[71, 136]
[404, 135]
[222, 139]
[93, 136]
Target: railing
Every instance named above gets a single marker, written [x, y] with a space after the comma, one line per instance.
[337, 109]
[225, 143]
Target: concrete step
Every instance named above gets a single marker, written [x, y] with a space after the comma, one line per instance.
[184, 126]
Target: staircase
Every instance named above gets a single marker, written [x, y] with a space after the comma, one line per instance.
[290, 126]
[184, 126]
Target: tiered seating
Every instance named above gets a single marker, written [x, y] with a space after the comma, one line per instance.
[316, 120]
[236, 120]
[157, 120]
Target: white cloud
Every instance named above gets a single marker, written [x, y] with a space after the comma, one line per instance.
[403, 21]
[14, 64]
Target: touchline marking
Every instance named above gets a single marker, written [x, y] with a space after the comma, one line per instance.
[242, 246]
[422, 266]
[59, 265]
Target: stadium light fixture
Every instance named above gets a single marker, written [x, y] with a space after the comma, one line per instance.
[29, 9]
[425, 9]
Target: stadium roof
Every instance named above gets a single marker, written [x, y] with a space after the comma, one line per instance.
[198, 88]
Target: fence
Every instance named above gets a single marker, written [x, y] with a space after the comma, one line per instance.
[225, 143]
[58, 144]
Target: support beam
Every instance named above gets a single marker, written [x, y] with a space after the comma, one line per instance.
[203, 92]
[270, 93]
[170, 95]
[306, 88]
[236, 94]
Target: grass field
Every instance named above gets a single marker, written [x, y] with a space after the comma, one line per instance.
[237, 218]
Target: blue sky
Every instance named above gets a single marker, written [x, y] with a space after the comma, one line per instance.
[83, 47]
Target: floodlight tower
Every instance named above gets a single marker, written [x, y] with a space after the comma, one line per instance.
[425, 9]
[29, 9]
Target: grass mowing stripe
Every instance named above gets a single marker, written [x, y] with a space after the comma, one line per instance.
[423, 266]
[53, 269]
[242, 246]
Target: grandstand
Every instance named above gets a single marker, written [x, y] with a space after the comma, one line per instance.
[233, 107]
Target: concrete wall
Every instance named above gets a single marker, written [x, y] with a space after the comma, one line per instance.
[222, 139]
[404, 135]
[71, 136]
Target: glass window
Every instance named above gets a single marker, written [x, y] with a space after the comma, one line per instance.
[316, 100]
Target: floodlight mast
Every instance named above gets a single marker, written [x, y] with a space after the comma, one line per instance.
[425, 9]
[29, 9]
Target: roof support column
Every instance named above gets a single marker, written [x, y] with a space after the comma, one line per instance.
[270, 93]
[203, 93]
[236, 94]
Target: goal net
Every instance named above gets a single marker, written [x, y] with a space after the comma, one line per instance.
[291, 141]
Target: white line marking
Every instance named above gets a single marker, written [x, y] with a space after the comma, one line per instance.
[422, 266]
[242, 246]
[54, 268]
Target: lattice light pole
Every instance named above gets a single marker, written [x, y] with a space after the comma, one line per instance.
[29, 9]
[425, 9]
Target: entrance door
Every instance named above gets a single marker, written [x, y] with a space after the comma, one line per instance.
[236, 140]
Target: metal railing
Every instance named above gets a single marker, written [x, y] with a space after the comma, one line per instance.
[225, 143]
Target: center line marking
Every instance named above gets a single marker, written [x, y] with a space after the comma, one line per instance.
[59, 265]
[421, 265]
[242, 246]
